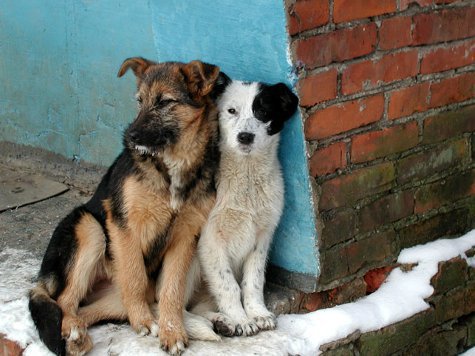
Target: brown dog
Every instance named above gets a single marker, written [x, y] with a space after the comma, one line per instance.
[133, 242]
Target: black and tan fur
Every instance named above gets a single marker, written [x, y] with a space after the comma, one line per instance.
[131, 245]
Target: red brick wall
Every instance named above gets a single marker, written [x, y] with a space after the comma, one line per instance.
[387, 93]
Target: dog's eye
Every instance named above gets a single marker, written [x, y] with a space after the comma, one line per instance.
[139, 99]
[161, 103]
[232, 111]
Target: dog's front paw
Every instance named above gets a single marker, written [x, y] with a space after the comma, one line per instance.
[146, 327]
[247, 328]
[78, 342]
[266, 322]
[173, 338]
[223, 325]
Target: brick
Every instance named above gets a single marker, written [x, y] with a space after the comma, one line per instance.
[439, 341]
[371, 252]
[450, 306]
[452, 223]
[407, 101]
[333, 266]
[397, 336]
[448, 57]
[470, 322]
[450, 274]
[386, 210]
[347, 10]
[347, 189]
[445, 25]
[377, 144]
[317, 88]
[454, 123]
[349, 292]
[405, 3]
[376, 277]
[344, 116]
[339, 226]
[425, 164]
[370, 74]
[308, 14]
[336, 46]
[328, 160]
[9, 348]
[452, 90]
[395, 32]
[313, 301]
[435, 195]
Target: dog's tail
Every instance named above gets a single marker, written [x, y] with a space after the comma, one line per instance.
[47, 316]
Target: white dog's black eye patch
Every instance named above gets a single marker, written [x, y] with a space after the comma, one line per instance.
[274, 103]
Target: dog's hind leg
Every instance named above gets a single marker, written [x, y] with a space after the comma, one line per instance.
[107, 307]
[253, 283]
[82, 272]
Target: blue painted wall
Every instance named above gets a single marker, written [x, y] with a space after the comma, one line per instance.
[60, 92]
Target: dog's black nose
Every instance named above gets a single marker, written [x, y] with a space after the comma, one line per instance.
[246, 138]
[133, 135]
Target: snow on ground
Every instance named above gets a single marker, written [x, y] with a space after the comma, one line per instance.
[401, 296]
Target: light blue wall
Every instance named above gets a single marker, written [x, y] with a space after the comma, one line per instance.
[58, 68]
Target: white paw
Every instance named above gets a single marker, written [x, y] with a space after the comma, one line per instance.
[247, 328]
[266, 322]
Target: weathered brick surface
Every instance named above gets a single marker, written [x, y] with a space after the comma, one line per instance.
[345, 10]
[448, 57]
[435, 195]
[387, 92]
[336, 46]
[339, 226]
[317, 88]
[328, 160]
[343, 117]
[453, 223]
[451, 274]
[397, 336]
[371, 252]
[395, 32]
[377, 144]
[445, 25]
[376, 277]
[333, 264]
[452, 90]
[450, 124]
[439, 342]
[308, 14]
[369, 74]
[406, 101]
[346, 190]
[386, 210]
[425, 164]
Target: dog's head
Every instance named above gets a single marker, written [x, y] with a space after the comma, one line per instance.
[171, 97]
[251, 114]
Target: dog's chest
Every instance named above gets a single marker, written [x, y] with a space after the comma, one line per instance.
[257, 189]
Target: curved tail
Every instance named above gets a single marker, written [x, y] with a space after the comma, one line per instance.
[47, 316]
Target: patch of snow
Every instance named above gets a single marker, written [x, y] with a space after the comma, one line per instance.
[399, 297]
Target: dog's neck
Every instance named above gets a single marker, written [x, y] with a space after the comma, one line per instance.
[266, 157]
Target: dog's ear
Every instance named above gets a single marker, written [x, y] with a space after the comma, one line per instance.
[138, 65]
[278, 103]
[200, 77]
[220, 85]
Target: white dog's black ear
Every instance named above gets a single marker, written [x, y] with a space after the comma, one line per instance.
[275, 103]
[220, 85]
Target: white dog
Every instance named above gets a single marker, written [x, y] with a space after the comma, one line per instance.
[235, 241]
